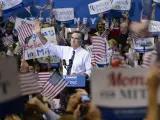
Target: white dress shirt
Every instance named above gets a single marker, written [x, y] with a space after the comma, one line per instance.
[81, 62]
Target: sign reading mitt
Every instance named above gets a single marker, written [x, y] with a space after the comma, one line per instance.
[35, 49]
[120, 92]
[119, 87]
[9, 83]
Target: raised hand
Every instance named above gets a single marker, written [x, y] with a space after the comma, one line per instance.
[37, 26]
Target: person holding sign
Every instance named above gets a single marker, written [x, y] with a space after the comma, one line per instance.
[76, 60]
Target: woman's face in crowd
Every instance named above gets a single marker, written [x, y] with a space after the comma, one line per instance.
[100, 26]
[124, 28]
[116, 24]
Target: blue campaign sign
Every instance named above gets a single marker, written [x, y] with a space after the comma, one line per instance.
[80, 8]
[75, 81]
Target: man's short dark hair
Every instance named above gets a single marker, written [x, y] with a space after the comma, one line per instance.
[82, 34]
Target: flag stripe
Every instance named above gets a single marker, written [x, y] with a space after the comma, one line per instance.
[43, 78]
[51, 90]
[29, 83]
[98, 50]
[24, 31]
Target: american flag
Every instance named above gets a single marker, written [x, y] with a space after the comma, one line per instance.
[98, 50]
[29, 83]
[105, 33]
[43, 78]
[12, 19]
[83, 28]
[133, 36]
[24, 31]
[53, 86]
[8, 40]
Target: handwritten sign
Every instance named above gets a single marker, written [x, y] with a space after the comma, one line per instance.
[106, 5]
[157, 1]
[64, 14]
[99, 7]
[9, 84]
[35, 49]
[144, 45]
[121, 4]
[7, 4]
[154, 26]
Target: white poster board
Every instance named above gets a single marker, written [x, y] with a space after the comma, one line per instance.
[69, 30]
[120, 88]
[64, 14]
[35, 48]
[154, 26]
[9, 83]
[157, 1]
[121, 4]
[99, 6]
[7, 4]
[139, 44]
[106, 5]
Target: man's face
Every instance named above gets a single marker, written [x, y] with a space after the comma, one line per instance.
[9, 28]
[75, 40]
[124, 29]
[100, 26]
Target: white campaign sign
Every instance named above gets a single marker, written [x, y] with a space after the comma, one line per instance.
[106, 5]
[64, 14]
[121, 4]
[35, 49]
[154, 26]
[69, 30]
[120, 88]
[99, 7]
[9, 83]
[7, 4]
[141, 42]
[157, 1]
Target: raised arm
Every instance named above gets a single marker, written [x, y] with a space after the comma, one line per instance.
[38, 31]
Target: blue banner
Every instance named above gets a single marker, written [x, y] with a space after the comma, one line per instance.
[75, 81]
[80, 8]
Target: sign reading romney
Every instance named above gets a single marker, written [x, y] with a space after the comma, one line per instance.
[7, 4]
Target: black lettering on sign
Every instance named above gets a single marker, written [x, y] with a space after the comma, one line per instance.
[107, 94]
